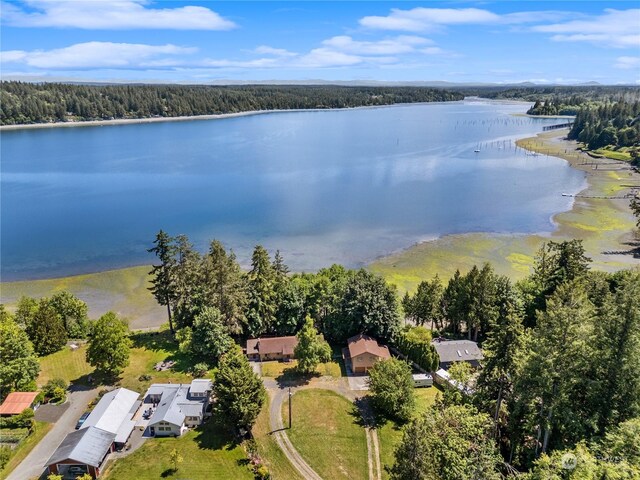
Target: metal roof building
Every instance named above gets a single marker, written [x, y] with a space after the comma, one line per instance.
[113, 413]
[85, 449]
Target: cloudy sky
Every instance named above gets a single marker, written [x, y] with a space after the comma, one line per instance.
[202, 41]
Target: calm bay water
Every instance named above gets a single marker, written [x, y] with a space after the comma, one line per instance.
[329, 186]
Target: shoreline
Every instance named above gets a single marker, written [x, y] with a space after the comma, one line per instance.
[222, 116]
[189, 118]
[605, 225]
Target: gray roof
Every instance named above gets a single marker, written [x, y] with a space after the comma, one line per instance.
[87, 446]
[176, 403]
[458, 350]
[113, 409]
[200, 385]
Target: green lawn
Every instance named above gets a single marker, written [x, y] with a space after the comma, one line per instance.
[22, 450]
[326, 434]
[148, 349]
[390, 434]
[276, 369]
[206, 451]
[70, 365]
[272, 456]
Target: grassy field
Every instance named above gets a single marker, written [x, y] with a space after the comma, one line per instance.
[327, 436]
[123, 291]
[288, 370]
[207, 454]
[604, 225]
[148, 349]
[279, 466]
[22, 450]
[70, 365]
[390, 434]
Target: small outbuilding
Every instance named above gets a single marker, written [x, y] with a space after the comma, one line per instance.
[271, 348]
[363, 352]
[18, 402]
[83, 451]
[422, 380]
[451, 351]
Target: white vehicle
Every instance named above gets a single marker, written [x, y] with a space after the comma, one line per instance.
[422, 380]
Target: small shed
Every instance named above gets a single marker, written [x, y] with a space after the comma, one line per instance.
[17, 402]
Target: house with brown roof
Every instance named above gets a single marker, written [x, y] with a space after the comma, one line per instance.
[363, 352]
[271, 348]
[17, 402]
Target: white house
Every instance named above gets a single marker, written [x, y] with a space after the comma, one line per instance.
[177, 407]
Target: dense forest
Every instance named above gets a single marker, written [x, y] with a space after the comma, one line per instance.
[609, 124]
[24, 103]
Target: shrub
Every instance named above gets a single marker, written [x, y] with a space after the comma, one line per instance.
[415, 343]
[55, 389]
[144, 378]
[200, 369]
[5, 455]
[23, 420]
[262, 472]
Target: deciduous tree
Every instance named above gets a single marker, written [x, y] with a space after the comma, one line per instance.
[391, 389]
[18, 363]
[109, 345]
[311, 349]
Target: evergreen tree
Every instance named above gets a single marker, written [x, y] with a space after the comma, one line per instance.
[239, 392]
[164, 281]
[226, 286]
[262, 296]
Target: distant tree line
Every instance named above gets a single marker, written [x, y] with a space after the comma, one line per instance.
[563, 94]
[25, 103]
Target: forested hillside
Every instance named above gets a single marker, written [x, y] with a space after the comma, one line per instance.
[23, 103]
[610, 124]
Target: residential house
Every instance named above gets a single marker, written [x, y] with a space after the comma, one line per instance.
[83, 451]
[451, 351]
[18, 402]
[271, 348]
[114, 414]
[177, 407]
[363, 352]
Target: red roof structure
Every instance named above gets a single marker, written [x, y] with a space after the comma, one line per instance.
[365, 344]
[273, 345]
[17, 402]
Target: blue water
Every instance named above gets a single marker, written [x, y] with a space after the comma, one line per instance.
[322, 186]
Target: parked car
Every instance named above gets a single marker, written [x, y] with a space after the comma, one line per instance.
[81, 420]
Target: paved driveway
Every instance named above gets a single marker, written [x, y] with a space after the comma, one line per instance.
[33, 465]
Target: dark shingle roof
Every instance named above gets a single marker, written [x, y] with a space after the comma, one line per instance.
[458, 350]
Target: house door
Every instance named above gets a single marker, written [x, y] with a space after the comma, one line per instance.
[152, 430]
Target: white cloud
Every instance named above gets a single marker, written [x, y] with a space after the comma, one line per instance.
[425, 19]
[114, 15]
[627, 63]
[94, 55]
[614, 28]
[278, 52]
[391, 46]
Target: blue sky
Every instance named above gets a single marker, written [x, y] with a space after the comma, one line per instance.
[199, 41]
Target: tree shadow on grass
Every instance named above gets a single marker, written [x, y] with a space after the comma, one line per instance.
[215, 436]
[168, 472]
[163, 341]
[291, 377]
[365, 415]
